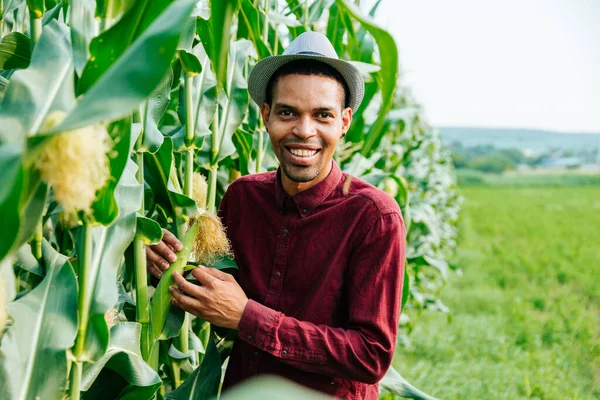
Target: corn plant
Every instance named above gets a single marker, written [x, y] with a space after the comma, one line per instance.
[120, 118]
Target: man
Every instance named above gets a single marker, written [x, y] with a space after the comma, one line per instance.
[320, 271]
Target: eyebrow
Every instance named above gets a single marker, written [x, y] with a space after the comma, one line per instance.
[294, 109]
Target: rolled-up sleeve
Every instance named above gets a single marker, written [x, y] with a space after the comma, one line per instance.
[361, 349]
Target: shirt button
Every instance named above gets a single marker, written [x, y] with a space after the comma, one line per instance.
[285, 232]
[304, 210]
[249, 337]
[278, 274]
[284, 353]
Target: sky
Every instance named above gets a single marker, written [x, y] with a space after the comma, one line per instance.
[500, 63]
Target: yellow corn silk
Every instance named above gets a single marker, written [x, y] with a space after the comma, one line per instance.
[211, 242]
[200, 189]
[75, 163]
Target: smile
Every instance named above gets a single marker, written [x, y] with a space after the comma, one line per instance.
[303, 152]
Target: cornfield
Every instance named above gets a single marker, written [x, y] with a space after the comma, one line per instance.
[109, 112]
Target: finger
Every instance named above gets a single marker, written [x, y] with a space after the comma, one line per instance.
[204, 277]
[164, 251]
[171, 240]
[154, 270]
[218, 274]
[155, 258]
[184, 302]
[188, 287]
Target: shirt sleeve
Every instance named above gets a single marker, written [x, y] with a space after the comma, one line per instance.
[363, 348]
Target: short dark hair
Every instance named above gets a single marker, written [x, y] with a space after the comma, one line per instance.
[307, 67]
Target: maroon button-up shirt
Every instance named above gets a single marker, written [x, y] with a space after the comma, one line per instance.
[323, 272]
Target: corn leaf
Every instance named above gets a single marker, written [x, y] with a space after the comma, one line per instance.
[203, 383]
[220, 22]
[82, 23]
[15, 51]
[30, 95]
[157, 172]
[388, 75]
[394, 383]
[111, 44]
[123, 357]
[34, 349]
[128, 81]
[109, 245]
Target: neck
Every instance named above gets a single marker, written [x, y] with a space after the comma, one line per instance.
[293, 188]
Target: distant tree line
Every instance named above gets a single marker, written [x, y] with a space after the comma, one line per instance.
[486, 158]
[490, 159]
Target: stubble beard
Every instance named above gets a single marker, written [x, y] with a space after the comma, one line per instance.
[302, 174]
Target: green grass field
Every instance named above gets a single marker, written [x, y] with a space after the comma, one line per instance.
[525, 315]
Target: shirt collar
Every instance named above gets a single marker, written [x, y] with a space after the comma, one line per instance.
[307, 200]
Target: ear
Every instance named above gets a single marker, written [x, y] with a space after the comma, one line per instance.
[346, 120]
[265, 111]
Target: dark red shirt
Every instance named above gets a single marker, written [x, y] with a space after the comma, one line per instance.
[323, 272]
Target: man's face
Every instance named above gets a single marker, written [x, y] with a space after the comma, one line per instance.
[305, 122]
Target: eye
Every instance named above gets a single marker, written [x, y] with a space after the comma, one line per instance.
[325, 115]
[285, 113]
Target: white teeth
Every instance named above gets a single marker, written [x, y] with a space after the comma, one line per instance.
[303, 153]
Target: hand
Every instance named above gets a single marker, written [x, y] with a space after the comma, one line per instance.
[220, 300]
[159, 256]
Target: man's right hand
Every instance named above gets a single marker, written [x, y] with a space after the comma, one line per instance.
[160, 256]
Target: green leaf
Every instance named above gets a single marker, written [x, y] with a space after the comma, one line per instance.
[154, 109]
[221, 20]
[26, 261]
[149, 230]
[30, 94]
[105, 208]
[203, 383]
[388, 75]
[129, 81]
[15, 51]
[405, 285]
[394, 383]
[110, 45]
[226, 263]
[250, 26]
[36, 7]
[82, 23]
[189, 62]
[45, 325]
[235, 106]
[157, 172]
[110, 244]
[123, 356]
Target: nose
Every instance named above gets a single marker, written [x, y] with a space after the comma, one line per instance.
[304, 127]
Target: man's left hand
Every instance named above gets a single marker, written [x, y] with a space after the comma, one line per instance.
[220, 300]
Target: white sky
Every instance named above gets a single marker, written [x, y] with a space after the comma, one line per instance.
[501, 63]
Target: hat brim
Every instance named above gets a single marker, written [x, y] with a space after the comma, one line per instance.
[263, 71]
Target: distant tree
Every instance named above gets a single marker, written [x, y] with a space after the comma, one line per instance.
[495, 163]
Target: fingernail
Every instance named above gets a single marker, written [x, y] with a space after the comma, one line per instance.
[159, 275]
[171, 288]
[172, 258]
[178, 246]
[165, 265]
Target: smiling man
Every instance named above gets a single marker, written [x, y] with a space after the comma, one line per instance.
[317, 295]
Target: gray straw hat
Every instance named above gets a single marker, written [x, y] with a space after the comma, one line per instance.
[313, 46]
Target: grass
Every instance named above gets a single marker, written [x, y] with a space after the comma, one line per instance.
[469, 177]
[525, 315]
